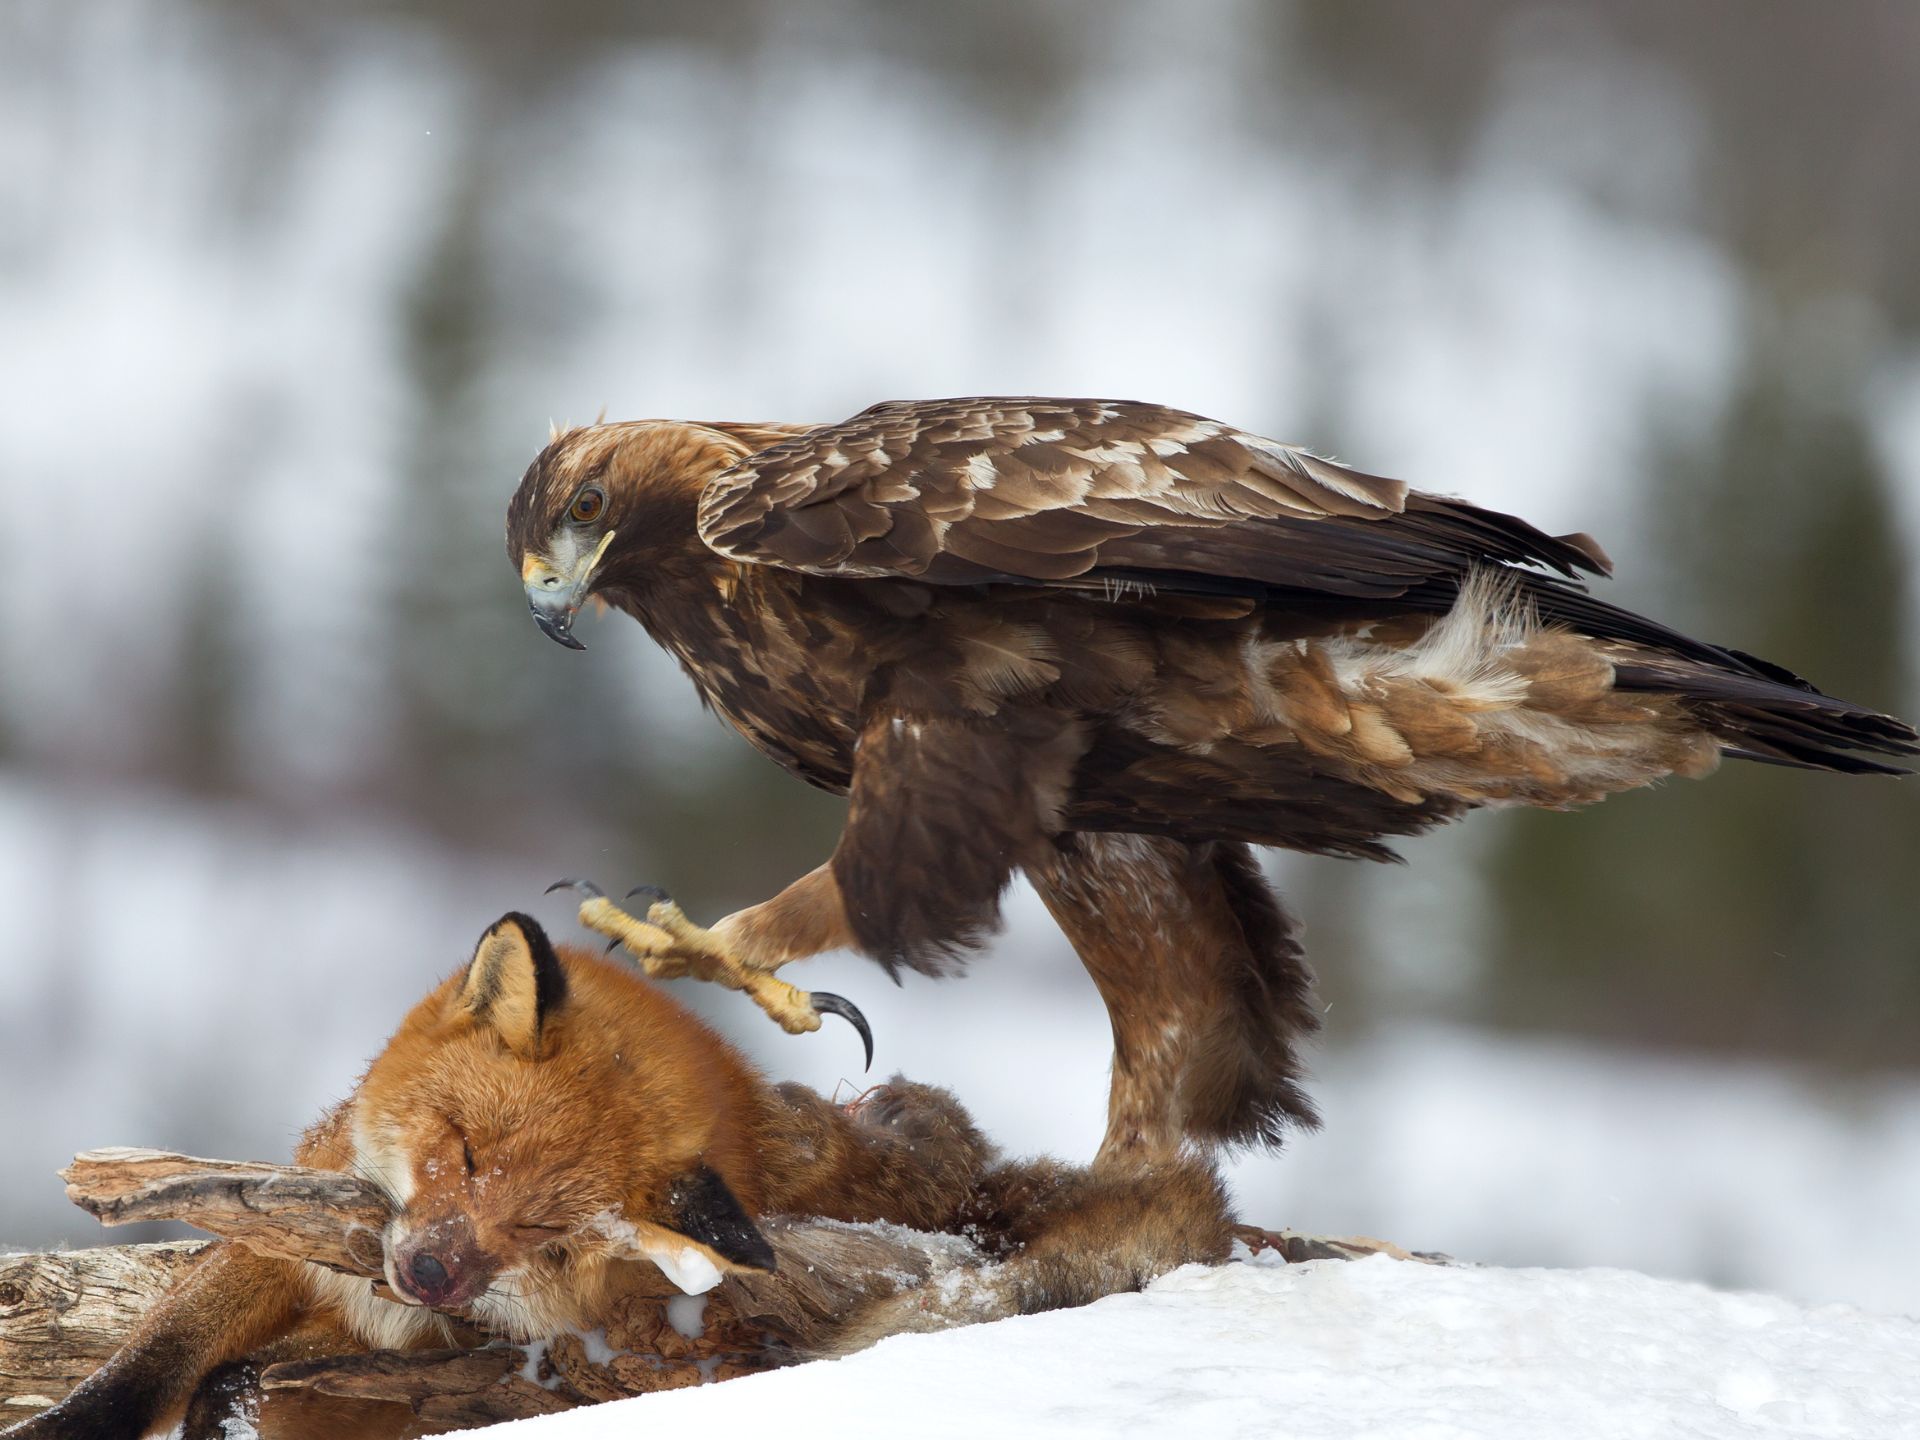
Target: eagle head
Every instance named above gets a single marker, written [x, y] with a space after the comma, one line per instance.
[610, 506]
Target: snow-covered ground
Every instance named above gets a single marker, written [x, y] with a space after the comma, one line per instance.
[1371, 1348]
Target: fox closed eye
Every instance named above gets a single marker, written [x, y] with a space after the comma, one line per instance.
[466, 1149]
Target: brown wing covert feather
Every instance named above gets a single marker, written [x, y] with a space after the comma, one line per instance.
[1097, 494]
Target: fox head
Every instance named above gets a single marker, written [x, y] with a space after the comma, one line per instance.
[543, 1114]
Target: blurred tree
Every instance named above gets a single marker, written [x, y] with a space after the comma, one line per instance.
[491, 741]
[1765, 908]
[504, 737]
[452, 684]
[7, 700]
[197, 739]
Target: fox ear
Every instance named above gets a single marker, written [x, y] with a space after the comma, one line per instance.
[701, 1207]
[514, 982]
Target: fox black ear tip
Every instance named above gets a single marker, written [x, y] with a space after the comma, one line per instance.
[829, 1004]
[531, 930]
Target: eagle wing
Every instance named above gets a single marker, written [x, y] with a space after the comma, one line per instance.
[1099, 494]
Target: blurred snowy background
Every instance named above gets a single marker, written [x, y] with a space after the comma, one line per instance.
[289, 293]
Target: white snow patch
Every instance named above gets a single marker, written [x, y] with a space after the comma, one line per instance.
[598, 1350]
[1376, 1348]
[686, 1267]
[536, 1353]
[688, 1315]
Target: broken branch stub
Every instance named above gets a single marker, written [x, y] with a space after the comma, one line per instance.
[296, 1213]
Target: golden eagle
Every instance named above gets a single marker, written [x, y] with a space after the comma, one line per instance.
[1113, 645]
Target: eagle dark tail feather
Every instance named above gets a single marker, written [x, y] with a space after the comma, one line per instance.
[1756, 710]
[1762, 712]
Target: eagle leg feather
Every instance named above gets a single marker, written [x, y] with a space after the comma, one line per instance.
[1205, 983]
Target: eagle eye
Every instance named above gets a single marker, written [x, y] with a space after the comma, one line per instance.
[588, 504]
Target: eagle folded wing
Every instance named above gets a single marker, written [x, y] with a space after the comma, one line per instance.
[1093, 493]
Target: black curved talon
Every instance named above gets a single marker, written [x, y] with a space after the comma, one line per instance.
[585, 887]
[613, 945]
[828, 1004]
[655, 895]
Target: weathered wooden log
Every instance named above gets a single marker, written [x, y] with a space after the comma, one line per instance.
[296, 1213]
[824, 1267]
[1296, 1248]
[61, 1314]
[749, 1322]
[448, 1389]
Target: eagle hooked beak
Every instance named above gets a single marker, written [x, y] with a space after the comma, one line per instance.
[555, 596]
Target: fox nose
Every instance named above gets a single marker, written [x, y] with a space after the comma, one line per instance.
[430, 1279]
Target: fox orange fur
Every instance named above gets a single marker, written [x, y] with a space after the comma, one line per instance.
[543, 1103]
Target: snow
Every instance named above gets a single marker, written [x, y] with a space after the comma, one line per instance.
[688, 1315]
[686, 1267]
[1370, 1348]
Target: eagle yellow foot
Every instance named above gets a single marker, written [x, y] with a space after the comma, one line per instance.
[668, 946]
